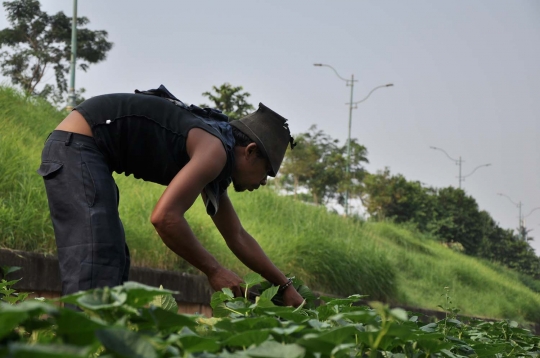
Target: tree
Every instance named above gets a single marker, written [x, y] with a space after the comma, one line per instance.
[353, 182]
[318, 164]
[505, 247]
[387, 196]
[298, 162]
[38, 42]
[230, 100]
[457, 218]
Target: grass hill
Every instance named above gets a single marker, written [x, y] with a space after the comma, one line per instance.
[330, 253]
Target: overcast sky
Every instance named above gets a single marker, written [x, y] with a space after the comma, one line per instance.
[466, 77]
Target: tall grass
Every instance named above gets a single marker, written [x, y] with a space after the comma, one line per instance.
[331, 253]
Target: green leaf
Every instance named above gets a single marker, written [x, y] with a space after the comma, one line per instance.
[221, 310]
[33, 308]
[431, 327]
[72, 299]
[19, 350]
[307, 294]
[339, 335]
[489, 350]
[167, 302]
[245, 339]
[263, 302]
[269, 293]
[252, 323]
[218, 298]
[199, 344]
[77, 328]
[271, 349]
[433, 346]
[333, 301]
[9, 321]
[346, 348]
[126, 343]
[454, 322]
[284, 312]
[102, 298]
[9, 283]
[449, 354]
[287, 331]
[228, 292]
[365, 317]
[236, 304]
[399, 313]
[252, 279]
[163, 319]
[9, 269]
[325, 342]
[325, 311]
[401, 331]
[139, 295]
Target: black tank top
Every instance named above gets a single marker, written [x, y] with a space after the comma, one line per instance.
[146, 136]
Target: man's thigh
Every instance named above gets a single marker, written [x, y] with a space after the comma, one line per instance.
[83, 200]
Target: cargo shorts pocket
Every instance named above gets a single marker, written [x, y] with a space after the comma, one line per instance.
[49, 169]
[89, 185]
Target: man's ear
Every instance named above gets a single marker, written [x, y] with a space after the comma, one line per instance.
[251, 149]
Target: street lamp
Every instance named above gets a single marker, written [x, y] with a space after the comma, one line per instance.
[519, 205]
[459, 162]
[538, 208]
[72, 96]
[351, 104]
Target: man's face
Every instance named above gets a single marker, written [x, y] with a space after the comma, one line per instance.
[251, 169]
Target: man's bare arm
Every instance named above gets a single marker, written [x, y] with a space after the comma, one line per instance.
[248, 250]
[207, 160]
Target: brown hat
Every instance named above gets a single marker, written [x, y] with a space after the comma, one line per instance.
[269, 131]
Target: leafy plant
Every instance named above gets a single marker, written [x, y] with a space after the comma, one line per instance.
[7, 293]
[135, 320]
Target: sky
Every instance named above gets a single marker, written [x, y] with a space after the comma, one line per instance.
[466, 78]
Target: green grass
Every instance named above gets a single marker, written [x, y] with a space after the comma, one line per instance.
[330, 253]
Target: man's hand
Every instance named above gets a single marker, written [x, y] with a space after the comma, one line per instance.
[291, 297]
[222, 278]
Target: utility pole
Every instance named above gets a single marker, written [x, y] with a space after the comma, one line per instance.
[461, 178]
[519, 205]
[351, 83]
[71, 101]
[351, 104]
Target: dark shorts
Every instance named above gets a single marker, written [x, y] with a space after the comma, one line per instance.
[83, 201]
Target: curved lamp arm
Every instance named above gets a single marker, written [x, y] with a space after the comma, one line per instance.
[373, 90]
[512, 201]
[480, 166]
[442, 150]
[336, 72]
[538, 208]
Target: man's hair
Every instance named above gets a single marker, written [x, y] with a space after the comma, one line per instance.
[240, 138]
[243, 140]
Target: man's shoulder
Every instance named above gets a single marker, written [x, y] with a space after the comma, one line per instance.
[205, 144]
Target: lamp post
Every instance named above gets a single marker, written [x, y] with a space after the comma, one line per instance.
[519, 205]
[458, 162]
[72, 96]
[530, 212]
[351, 104]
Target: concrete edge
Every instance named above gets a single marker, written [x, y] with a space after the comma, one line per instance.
[41, 273]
